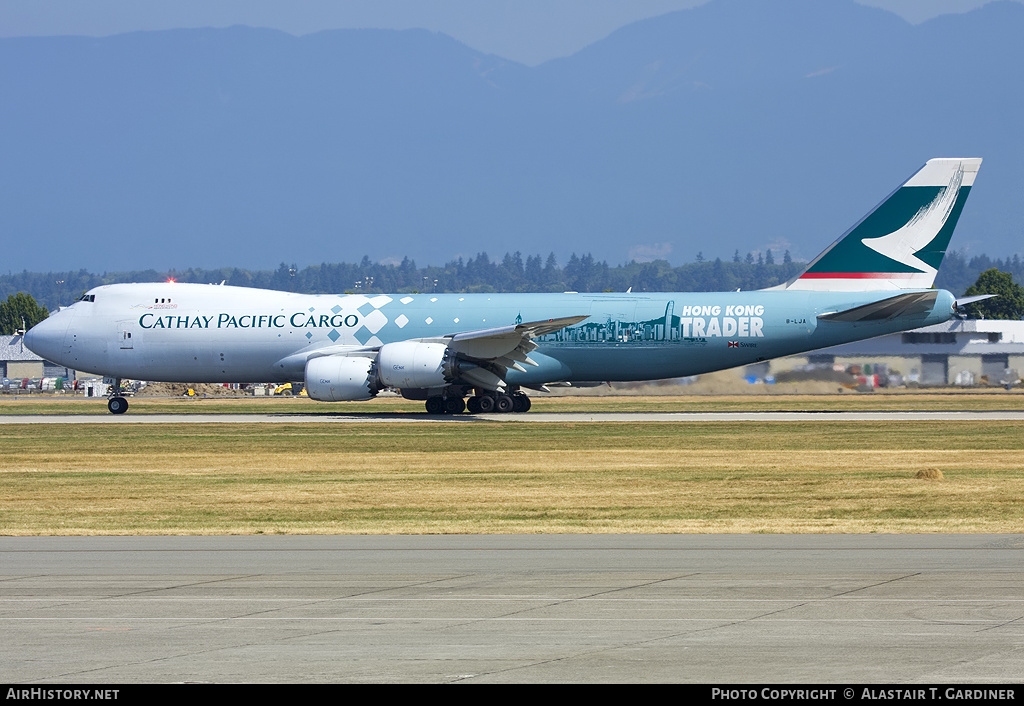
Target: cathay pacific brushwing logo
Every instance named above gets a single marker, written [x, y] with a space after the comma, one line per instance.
[902, 245]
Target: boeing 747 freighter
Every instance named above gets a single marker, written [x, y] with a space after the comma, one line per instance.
[481, 352]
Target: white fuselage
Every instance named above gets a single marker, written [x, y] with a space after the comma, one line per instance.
[208, 333]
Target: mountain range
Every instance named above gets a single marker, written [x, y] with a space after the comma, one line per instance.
[737, 125]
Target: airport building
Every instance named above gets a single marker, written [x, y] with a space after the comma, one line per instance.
[18, 363]
[975, 352]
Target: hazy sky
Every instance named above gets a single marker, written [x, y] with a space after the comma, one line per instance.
[529, 31]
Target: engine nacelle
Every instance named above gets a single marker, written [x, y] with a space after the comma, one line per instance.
[414, 364]
[336, 378]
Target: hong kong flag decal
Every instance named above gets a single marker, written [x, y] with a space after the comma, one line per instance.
[734, 344]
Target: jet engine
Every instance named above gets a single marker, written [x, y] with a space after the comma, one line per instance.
[408, 365]
[426, 365]
[336, 378]
[415, 364]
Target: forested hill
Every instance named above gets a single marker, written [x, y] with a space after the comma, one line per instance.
[512, 273]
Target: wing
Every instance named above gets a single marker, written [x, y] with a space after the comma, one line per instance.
[491, 353]
[479, 358]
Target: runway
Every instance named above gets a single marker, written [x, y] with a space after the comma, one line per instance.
[720, 609]
[535, 417]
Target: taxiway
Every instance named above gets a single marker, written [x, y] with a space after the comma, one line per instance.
[553, 608]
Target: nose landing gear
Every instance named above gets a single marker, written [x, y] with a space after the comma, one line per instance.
[117, 404]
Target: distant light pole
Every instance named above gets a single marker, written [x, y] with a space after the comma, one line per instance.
[58, 282]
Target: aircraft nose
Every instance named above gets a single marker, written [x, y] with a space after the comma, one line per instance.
[46, 339]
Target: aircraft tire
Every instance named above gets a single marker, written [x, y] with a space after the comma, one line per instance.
[521, 403]
[473, 405]
[454, 405]
[435, 405]
[503, 404]
[117, 405]
[486, 404]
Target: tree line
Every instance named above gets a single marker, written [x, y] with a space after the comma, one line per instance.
[513, 273]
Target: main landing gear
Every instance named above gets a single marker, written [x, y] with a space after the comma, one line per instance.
[488, 403]
[445, 405]
[117, 404]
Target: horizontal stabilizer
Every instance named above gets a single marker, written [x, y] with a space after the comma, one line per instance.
[901, 305]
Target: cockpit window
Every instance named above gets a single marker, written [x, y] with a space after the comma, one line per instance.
[87, 298]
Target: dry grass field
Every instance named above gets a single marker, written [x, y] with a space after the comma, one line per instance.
[385, 477]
